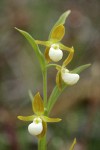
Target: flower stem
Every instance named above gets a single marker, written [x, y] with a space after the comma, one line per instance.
[45, 86]
[42, 143]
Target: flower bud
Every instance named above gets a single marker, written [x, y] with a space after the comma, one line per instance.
[36, 127]
[55, 53]
[69, 78]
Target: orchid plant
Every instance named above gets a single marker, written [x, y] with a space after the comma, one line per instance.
[64, 78]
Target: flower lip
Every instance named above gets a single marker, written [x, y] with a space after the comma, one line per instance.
[55, 53]
[36, 127]
[69, 78]
[39, 121]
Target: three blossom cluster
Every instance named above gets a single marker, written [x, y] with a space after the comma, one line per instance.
[53, 53]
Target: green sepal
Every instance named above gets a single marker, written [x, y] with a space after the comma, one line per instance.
[44, 43]
[60, 21]
[37, 105]
[26, 118]
[58, 33]
[34, 46]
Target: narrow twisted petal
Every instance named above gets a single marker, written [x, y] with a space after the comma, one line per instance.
[59, 80]
[69, 58]
[44, 43]
[47, 54]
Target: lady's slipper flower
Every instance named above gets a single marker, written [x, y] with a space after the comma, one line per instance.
[38, 126]
[55, 53]
[66, 76]
[54, 48]
[69, 78]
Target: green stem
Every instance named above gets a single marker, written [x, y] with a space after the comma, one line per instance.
[42, 143]
[45, 87]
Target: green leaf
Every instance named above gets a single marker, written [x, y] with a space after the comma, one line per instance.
[60, 21]
[30, 95]
[54, 96]
[80, 68]
[34, 46]
[73, 144]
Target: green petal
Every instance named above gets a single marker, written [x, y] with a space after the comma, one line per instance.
[47, 54]
[73, 144]
[58, 80]
[37, 105]
[44, 130]
[57, 33]
[26, 118]
[69, 58]
[47, 119]
[63, 47]
[44, 43]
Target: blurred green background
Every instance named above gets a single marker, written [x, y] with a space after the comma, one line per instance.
[79, 105]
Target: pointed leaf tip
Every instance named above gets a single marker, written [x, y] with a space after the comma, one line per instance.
[18, 29]
[80, 68]
[34, 45]
[60, 21]
[63, 17]
[73, 145]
